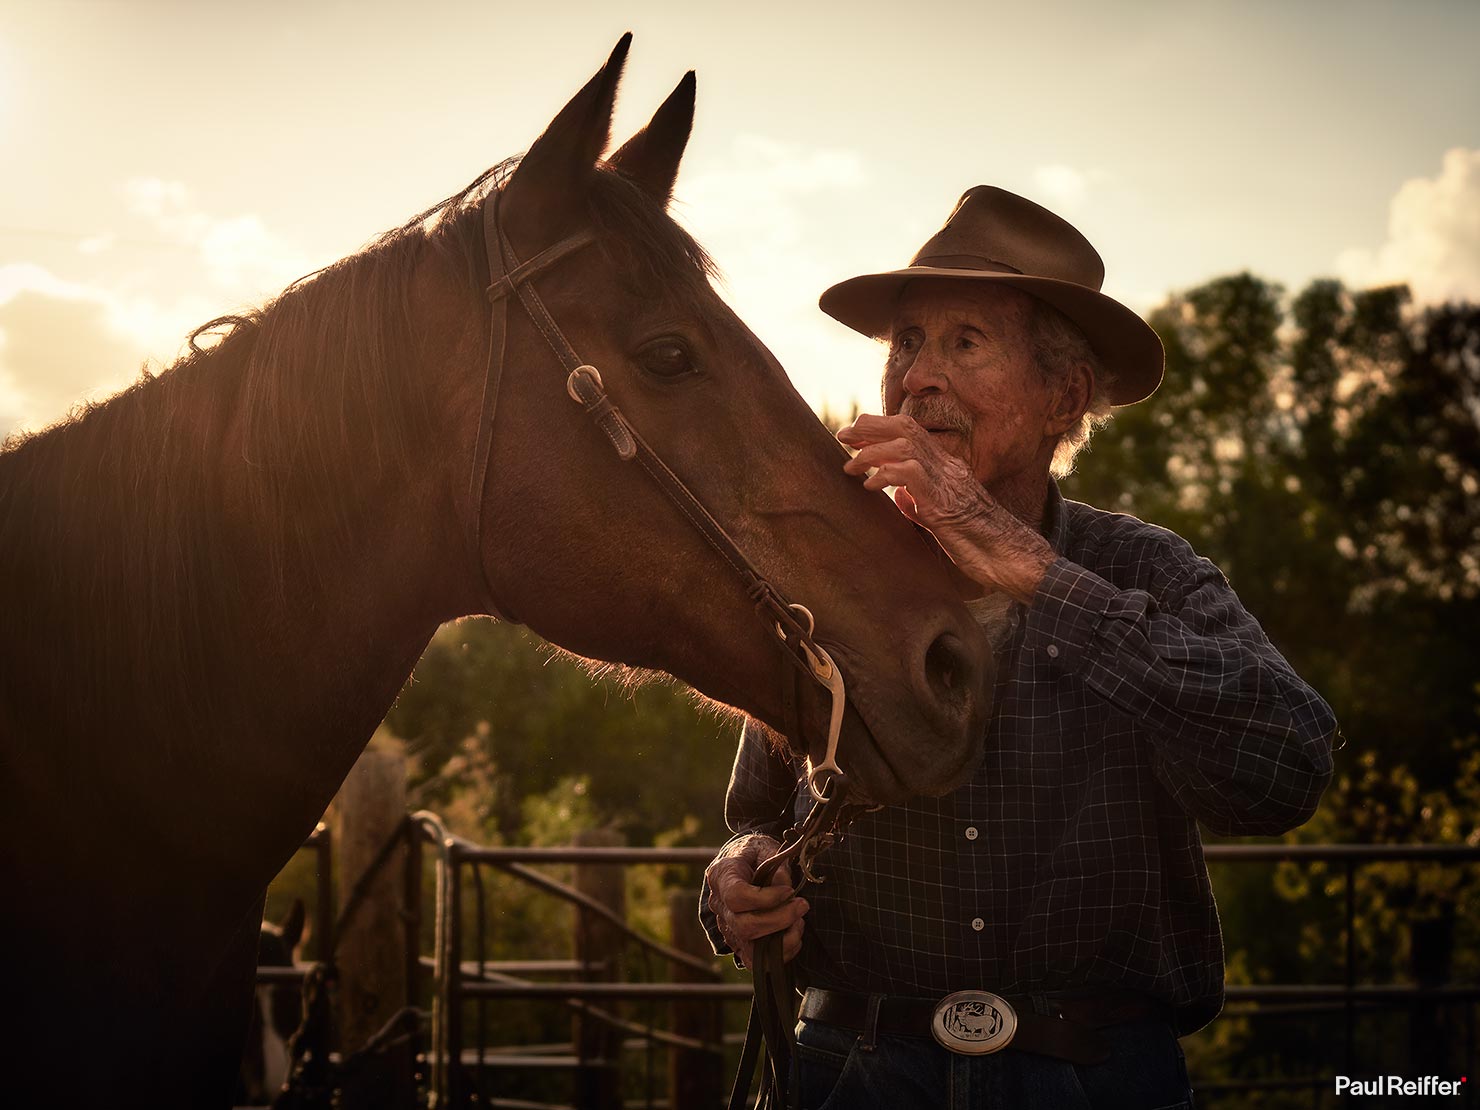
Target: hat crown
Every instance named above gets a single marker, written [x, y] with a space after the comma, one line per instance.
[992, 229]
[997, 237]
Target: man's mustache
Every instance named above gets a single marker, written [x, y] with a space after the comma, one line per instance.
[937, 412]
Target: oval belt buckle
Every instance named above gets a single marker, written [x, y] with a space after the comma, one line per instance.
[974, 1023]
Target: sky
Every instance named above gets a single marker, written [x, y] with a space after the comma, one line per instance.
[165, 162]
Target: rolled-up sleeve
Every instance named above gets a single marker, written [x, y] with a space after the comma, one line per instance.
[762, 784]
[1238, 739]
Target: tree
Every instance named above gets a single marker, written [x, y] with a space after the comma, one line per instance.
[1325, 452]
[1326, 455]
[492, 705]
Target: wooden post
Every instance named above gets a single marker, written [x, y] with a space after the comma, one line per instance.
[1431, 963]
[368, 810]
[598, 946]
[695, 1077]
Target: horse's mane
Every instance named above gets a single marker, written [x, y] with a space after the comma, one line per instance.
[115, 544]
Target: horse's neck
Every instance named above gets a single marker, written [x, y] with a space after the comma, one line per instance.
[300, 663]
[329, 650]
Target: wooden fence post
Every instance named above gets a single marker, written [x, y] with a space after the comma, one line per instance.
[368, 810]
[695, 1077]
[598, 946]
[1430, 1024]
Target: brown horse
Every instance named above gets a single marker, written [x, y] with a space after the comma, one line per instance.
[214, 584]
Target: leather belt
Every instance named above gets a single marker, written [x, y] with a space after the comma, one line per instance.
[1072, 1034]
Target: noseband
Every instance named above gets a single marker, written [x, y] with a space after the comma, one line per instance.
[793, 623]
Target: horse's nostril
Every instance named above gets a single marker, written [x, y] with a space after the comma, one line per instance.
[945, 666]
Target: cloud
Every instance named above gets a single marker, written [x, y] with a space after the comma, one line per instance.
[1433, 240]
[26, 277]
[1060, 186]
[59, 345]
[761, 193]
[239, 253]
[764, 209]
[163, 201]
[97, 244]
[65, 340]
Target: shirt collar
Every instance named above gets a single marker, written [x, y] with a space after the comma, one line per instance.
[1055, 525]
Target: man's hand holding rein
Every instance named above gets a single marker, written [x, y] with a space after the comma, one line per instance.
[746, 912]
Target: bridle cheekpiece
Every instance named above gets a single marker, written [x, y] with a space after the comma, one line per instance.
[793, 623]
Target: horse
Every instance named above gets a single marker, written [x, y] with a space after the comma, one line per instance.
[215, 583]
[274, 1016]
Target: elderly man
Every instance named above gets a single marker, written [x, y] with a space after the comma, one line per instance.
[1135, 698]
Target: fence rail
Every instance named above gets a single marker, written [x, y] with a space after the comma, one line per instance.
[456, 1065]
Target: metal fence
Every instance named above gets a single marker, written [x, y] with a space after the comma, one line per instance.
[1350, 999]
[456, 1062]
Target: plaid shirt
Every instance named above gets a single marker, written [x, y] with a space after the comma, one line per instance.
[1135, 698]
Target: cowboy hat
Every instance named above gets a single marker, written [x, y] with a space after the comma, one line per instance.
[994, 235]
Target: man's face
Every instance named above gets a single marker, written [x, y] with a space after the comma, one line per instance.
[960, 363]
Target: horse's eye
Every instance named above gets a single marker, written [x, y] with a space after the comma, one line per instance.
[667, 358]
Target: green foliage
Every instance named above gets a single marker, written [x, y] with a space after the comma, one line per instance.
[1398, 901]
[493, 716]
[1325, 452]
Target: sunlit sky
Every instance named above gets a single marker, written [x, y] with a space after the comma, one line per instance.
[167, 161]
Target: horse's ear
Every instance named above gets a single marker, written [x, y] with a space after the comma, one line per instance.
[293, 925]
[549, 187]
[651, 157]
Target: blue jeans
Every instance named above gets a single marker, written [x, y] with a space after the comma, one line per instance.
[1145, 1071]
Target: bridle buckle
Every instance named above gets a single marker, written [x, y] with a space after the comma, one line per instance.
[588, 373]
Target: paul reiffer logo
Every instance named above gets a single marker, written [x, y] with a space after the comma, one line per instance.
[1391, 1085]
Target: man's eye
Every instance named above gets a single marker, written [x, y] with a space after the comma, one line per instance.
[906, 344]
[666, 359]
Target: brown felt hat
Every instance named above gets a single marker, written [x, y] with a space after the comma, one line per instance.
[994, 235]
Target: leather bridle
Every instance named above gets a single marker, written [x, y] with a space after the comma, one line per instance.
[793, 623]
[774, 1010]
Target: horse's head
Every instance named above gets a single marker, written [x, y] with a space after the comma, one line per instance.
[582, 546]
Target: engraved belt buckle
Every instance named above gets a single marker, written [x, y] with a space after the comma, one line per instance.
[974, 1023]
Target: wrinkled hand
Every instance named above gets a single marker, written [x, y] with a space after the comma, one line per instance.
[746, 912]
[938, 491]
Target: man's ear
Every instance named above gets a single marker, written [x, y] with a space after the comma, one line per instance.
[1071, 399]
[547, 194]
[651, 157]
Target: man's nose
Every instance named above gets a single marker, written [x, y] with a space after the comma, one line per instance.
[926, 374]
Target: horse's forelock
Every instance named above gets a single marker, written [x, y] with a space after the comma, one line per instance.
[655, 253]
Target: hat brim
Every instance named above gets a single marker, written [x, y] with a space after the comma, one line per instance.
[1128, 347]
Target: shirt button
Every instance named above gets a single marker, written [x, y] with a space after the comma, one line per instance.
[1053, 651]
[978, 924]
[971, 833]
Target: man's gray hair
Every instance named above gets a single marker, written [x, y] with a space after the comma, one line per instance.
[1057, 347]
